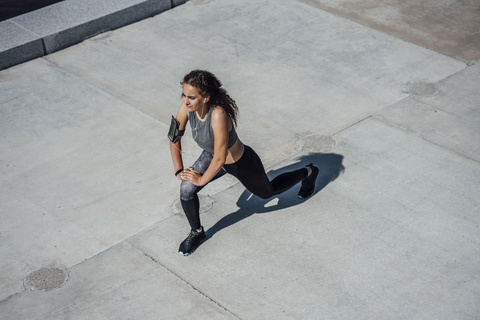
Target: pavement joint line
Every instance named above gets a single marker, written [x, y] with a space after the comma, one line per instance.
[79, 30]
[378, 26]
[421, 137]
[69, 268]
[437, 108]
[108, 93]
[183, 280]
[13, 295]
[467, 65]
[351, 125]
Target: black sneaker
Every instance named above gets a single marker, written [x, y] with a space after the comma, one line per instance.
[194, 239]
[308, 184]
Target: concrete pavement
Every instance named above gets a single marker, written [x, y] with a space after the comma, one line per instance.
[63, 24]
[449, 27]
[87, 184]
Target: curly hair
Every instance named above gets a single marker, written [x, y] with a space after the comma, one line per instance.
[208, 84]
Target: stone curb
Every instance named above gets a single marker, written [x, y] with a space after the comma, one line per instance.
[63, 24]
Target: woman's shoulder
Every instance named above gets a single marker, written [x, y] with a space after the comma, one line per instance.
[219, 113]
[220, 118]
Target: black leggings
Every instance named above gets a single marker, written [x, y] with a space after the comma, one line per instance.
[248, 170]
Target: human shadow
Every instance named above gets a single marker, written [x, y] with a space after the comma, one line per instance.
[330, 167]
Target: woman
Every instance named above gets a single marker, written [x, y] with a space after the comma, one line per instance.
[213, 117]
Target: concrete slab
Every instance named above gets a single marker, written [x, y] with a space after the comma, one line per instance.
[355, 69]
[457, 94]
[384, 240]
[438, 190]
[121, 276]
[77, 170]
[448, 115]
[86, 180]
[449, 27]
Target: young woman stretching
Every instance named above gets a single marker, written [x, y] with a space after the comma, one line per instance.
[213, 117]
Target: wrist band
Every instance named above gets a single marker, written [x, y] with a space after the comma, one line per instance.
[176, 173]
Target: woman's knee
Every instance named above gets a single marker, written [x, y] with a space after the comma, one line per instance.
[188, 191]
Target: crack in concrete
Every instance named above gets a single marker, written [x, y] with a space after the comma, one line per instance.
[184, 281]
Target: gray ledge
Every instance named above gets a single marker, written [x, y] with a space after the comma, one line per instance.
[69, 22]
[18, 45]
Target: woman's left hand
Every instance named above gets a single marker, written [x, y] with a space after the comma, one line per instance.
[191, 176]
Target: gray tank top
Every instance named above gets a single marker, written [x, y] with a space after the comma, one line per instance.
[202, 132]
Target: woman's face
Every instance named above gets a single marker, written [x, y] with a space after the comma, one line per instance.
[192, 98]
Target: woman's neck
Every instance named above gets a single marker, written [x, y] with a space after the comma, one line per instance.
[201, 113]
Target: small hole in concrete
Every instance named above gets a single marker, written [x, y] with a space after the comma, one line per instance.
[46, 279]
